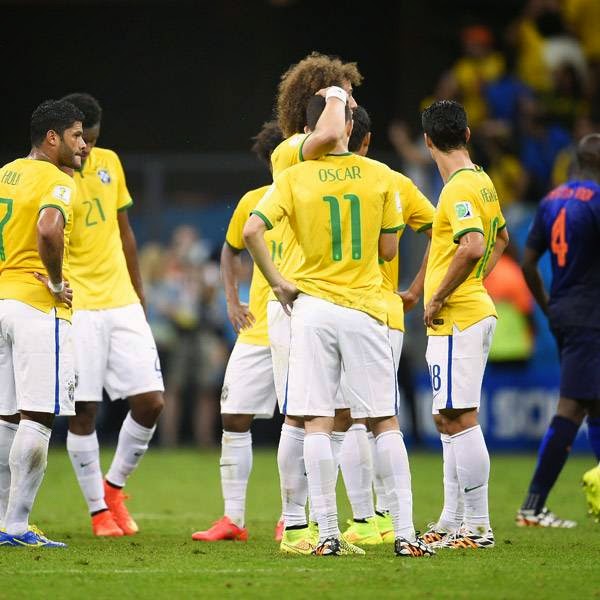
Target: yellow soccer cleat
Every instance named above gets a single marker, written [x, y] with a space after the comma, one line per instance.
[386, 527]
[297, 541]
[336, 546]
[591, 486]
[363, 534]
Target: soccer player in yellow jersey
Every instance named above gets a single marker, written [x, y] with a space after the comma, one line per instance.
[114, 347]
[297, 86]
[36, 361]
[345, 213]
[469, 235]
[248, 389]
[373, 525]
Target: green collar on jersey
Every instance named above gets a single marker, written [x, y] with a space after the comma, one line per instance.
[477, 169]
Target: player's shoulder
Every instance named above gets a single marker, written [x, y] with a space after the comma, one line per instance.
[104, 156]
[251, 198]
[465, 181]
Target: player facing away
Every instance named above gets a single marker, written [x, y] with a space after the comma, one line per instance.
[468, 236]
[37, 378]
[567, 224]
[343, 211]
[373, 524]
[114, 347]
[248, 387]
[297, 87]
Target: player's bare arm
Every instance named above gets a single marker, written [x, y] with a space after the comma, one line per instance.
[499, 248]
[130, 252]
[388, 246]
[238, 312]
[330, 127]
[471, 249]
[50, 240]
[412, 295]
[534, 281]
[254, 232]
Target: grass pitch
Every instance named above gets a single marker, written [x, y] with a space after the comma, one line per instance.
[176, 493]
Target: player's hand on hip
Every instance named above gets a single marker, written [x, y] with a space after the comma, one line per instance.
[63, 296]
[286, 293]
[409, 300]
[240, 316]
[432, 308]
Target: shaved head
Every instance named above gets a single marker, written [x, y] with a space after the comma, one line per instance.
[588, 156]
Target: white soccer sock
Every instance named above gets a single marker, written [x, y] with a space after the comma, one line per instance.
[357, 468]
[320, 470]
[7, 435]
[236, 464]
[28, 459]
[84, 453]
[292, 476]
[392, 465]
[452, 513]
[131, 447]
[381, 501]
[473, 470]
[337, 440]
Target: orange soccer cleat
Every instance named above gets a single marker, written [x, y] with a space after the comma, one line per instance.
[104, 525]
[279, 530]
[223, 529]
[115, 500]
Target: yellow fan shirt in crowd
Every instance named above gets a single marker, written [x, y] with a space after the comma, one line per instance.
[418, 213]
[277, 240]
[468, 202]
[337, 207]
[26, 187]
[99, 274]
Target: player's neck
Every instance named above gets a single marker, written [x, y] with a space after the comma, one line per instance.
[39, 154]
[450, 162]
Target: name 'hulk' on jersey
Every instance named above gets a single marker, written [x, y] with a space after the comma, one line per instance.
[98, 268]
[26, 187]
[337, 207]
[277, 240]
[468, 202]
[567, 223]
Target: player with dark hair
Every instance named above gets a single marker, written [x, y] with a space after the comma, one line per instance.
[37, 378]
[468, 236]
[248, 388]
[358, 457]
[108, 322]
[566, 224]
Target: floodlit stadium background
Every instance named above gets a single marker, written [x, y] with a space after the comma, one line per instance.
[185, 85]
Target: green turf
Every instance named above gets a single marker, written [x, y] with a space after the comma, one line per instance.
[175, 493]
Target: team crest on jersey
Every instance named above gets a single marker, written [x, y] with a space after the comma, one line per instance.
[62, 193]
[71, 389]
[224, 393]
[104, 176]
[463, 210]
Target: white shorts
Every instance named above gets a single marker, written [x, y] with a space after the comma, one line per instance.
[36, 361]
[344, 398]
[114, 350]
[248, 388]
[325, 336]
[456, 365]
[279, 339]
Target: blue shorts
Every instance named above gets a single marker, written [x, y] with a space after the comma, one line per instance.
[579, 350]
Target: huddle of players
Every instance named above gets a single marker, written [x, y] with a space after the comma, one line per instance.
[317, 236]
[68, 255]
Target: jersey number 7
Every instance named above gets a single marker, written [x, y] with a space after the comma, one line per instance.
[558, 238]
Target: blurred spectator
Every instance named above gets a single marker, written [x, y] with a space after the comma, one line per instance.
[513, 339]
[198, 357]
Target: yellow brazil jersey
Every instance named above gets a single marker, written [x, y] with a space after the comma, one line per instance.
[337, 207]
[417, 213]
[287, 154]
[26, 187]
[99, 272]
[259, 288]
[468, 202]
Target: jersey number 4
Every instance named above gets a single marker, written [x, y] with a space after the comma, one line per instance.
[558, 238]
[336, 226]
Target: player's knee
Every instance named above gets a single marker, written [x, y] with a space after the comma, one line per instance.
[236, 423]
[571, 409]
[342, 420]
[83, 422]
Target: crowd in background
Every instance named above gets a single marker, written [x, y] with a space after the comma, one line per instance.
[531, 92]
